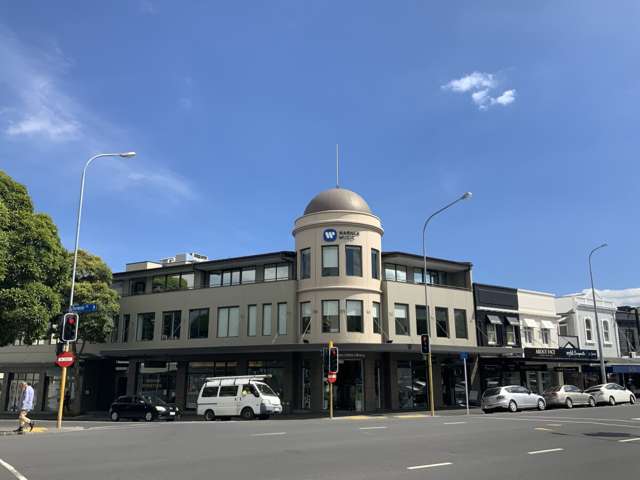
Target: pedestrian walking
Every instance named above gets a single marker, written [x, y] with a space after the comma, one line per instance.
[26, 405]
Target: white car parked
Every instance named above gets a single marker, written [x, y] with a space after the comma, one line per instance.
[611, 393]
[241, 396]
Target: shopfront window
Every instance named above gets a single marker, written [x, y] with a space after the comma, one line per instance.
[13, 400]
[197, 373]
[330, 316]
[52, 398]
[411, 384]
[275, 368]
[158, 379]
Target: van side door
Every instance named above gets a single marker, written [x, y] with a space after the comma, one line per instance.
[228, 401]
[250, 397]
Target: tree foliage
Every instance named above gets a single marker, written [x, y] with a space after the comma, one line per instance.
[33, 266]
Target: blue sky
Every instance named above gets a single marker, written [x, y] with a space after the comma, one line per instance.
[235, 108]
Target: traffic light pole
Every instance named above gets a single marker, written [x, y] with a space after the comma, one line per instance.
[63, 385]
[330, 387]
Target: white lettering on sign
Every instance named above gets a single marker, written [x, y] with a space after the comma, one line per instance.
[348, 235]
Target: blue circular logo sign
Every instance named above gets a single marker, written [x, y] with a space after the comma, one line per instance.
[330, 235]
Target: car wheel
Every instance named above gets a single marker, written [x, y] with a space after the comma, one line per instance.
[612, 401]
[513, 407]
[209, 416]
[247, 413]
[592, 402]
[542, 405]
[115, 416]
[569, 403]
[148, 417]
[632, 400]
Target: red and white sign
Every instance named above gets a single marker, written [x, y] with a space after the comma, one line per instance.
[332, 377]
[65, 359]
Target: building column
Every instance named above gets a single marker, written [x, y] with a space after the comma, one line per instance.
[391, 382]
[437, 383]
[132, 371]
[181, 385]
[4, 391]
[369, 378]
[317, 383]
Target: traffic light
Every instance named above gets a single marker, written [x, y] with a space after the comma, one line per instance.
[70, 327]
[424, 341]
[333, 360]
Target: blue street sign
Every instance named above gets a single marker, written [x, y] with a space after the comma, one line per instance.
[464, 355]
[84, 308]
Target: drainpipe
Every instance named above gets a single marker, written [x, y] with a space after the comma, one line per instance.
[637, 324]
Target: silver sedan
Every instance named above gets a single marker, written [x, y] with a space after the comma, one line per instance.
[512, 398]
[568, 396]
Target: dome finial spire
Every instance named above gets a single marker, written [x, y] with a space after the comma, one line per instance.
[337, 167]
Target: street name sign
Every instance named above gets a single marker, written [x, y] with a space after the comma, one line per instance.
[84, 308]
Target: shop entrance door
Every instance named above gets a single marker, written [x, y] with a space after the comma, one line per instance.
[348, 391]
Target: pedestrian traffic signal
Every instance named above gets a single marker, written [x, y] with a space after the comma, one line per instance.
[426, 347]
[70, 327]
[333, 360]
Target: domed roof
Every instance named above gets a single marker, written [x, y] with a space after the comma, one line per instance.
[337, 199]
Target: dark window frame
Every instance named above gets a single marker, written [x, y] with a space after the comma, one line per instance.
[355, 272]
[329, 330]
[198, 330]
[422, 322]
[446, 332]
[361, 324]
[377, 327]
[331, 271]
[140, 326]
[456, 311]
[375, 263]
[172, 328]
[407, 319]
[305, 261]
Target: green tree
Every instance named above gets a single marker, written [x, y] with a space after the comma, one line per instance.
[93, 285]
[33, 266]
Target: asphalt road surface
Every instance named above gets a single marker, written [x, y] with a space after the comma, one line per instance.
[585, 443]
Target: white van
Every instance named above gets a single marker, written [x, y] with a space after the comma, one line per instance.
[246, 396]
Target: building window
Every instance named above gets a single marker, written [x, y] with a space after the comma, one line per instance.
[422, 327]
[460, 318]
[401, 315]
[248, 275]
[126, 323]
[330, 316]
[492, 334]
[171, 325]
[442, 322]
[588, 329]
[545, 336]
[276, 272]
[435, 277]
[115, 330]
[138, 286]
[305, 317]
[282, 319]
[401, 273]
[215, 279]
[174, 281]
[563, 328]
[605, 332]
[510, 332]
[266, 319]
[418, 277]
[375, 263]
[305, 263]
[199, 323]
[228, 322]
[354, 316]
[528, 334]
[330, 261]
[395, 273]
[354, 260]
[252, 320]
[376, 317]
[146, 323]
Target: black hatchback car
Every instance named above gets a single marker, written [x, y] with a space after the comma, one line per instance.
[143, 407]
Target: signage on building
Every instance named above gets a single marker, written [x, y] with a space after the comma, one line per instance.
[561, 354]
[331, 235]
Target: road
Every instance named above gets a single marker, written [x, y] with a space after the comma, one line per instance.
[585, 443]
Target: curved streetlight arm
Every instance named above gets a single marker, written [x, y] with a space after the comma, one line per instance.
[603, 371]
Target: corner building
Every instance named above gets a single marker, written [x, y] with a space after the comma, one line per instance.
[186, 318]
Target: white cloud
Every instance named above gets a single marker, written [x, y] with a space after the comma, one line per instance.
[473, 81]
[480, 85]
[626, 296]
[166, 181]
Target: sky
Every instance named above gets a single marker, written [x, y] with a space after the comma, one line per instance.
[235, 108]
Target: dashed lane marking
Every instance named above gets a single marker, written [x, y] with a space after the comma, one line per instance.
[549, 450]
[420, 467]
[626, 440]
[454, 423]
[542, 429]
[554, 424]
[372, 428]
[15, 472]
[268, 434]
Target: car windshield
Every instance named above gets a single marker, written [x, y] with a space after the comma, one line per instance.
[492, 391]
[552, 390]
[154, 400]
[265, 389]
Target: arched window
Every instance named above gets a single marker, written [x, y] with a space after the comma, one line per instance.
[588, 328]
[605, 331]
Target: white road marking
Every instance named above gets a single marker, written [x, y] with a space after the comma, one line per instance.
[554, 424]
[454, 423]
[629, 440]
[635, 419]
[418, 467]
[267, 434]
[520, 419]
[543, 429]
[372, 428]
[15, 472]
[536, 452]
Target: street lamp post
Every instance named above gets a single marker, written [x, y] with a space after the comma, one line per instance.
[465, 196]
[63, 379]
[603, 371]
